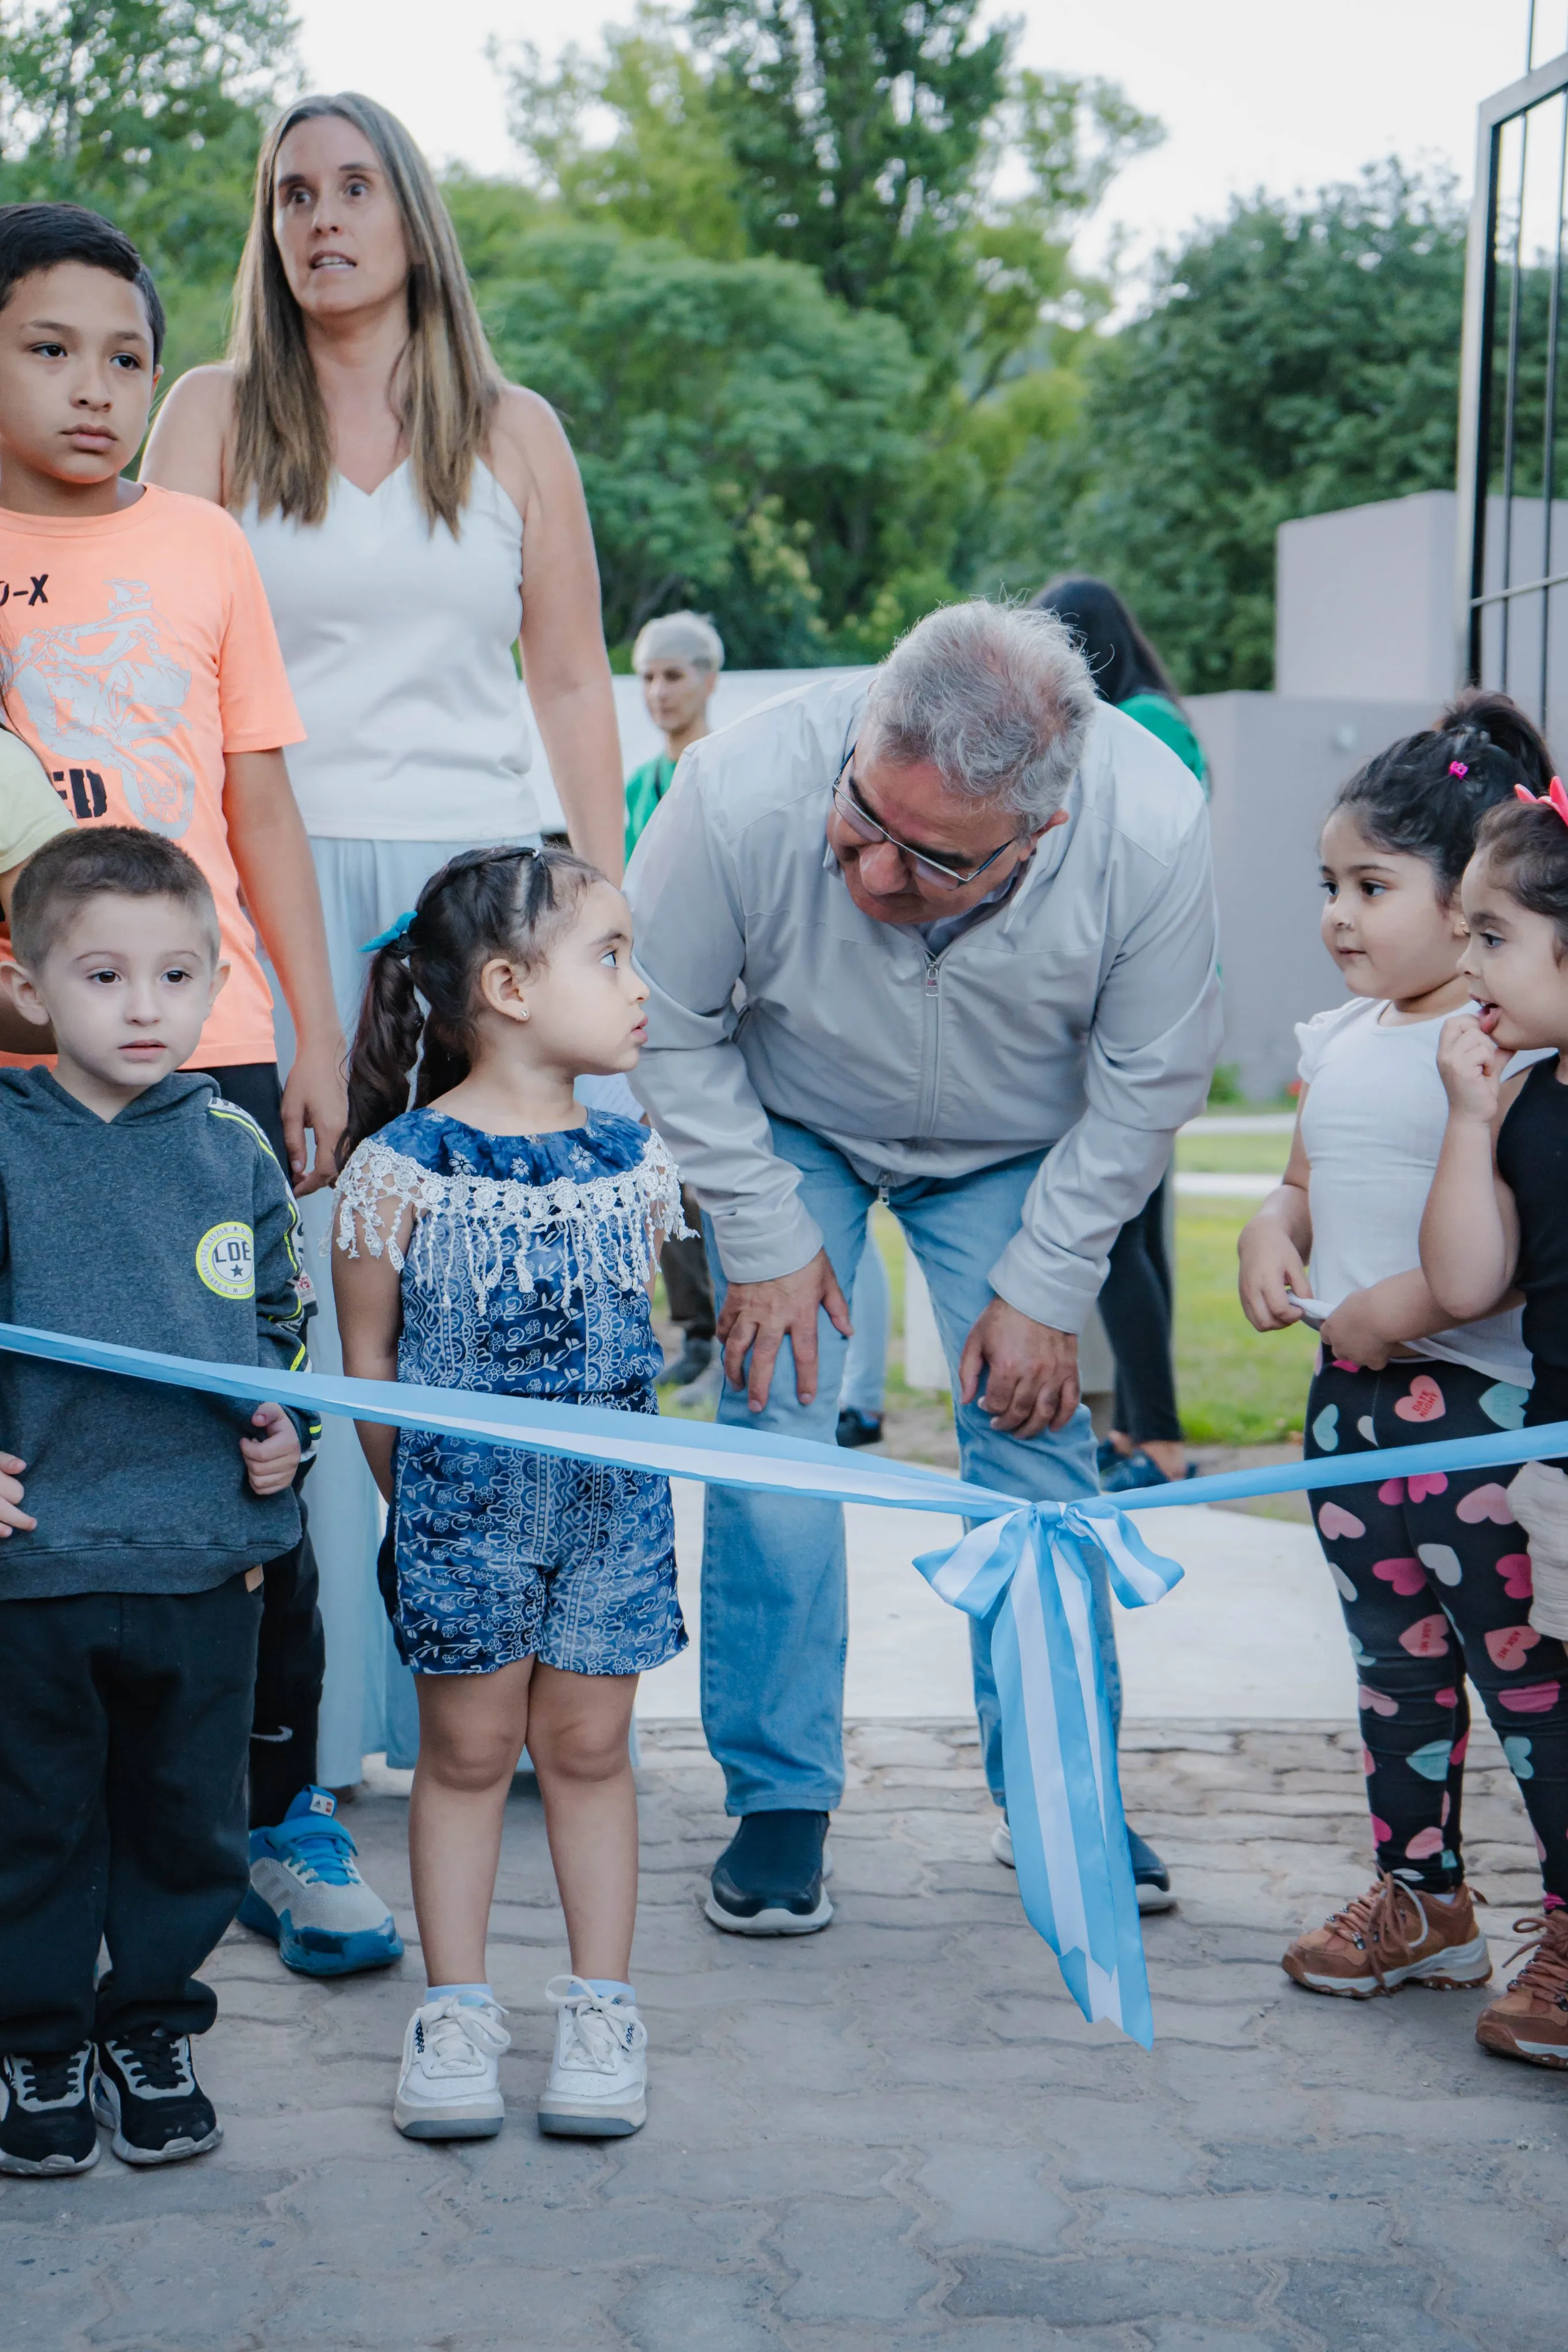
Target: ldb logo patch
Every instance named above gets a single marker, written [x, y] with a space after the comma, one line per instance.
[226, 1260]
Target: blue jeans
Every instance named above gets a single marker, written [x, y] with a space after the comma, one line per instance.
[774, 1600]
[865, 1358]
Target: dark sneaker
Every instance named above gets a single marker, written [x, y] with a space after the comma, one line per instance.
[690, 1365]
[768, 1879]
[1149, 1877]
[146, 2093]
[857, 1428]
[1130, 1471]
[46, 2113]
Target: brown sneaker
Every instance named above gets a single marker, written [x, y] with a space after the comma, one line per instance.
[1530, 2020]
[1389, 1937]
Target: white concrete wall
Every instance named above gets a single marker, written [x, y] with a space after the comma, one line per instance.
[1275, 763]
[1366, 603]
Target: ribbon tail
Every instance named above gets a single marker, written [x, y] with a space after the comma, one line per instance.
[1064, 1801]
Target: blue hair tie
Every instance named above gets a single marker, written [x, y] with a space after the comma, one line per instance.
[393, 933]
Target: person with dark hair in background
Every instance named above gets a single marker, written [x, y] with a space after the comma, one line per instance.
[1146, 1447]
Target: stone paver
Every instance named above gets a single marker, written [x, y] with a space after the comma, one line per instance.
[898, 2133]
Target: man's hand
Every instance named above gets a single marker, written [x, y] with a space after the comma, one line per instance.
[314, 1097]
[1030, 1371]
[12, 1515]
[271, 1461]
[758, 1316]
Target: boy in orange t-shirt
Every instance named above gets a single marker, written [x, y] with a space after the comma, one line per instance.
[140, 664]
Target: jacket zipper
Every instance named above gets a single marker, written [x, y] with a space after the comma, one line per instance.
[930, 1047]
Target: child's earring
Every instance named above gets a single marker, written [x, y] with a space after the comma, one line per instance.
[522, 1012]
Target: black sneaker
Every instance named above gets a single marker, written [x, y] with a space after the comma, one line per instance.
[768, 1879]
[1149, 1877]
[690, 1365]
[857, 1428]
[146, 2094]
[46, 2114]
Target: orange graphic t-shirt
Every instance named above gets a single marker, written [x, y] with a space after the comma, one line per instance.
[139, 650]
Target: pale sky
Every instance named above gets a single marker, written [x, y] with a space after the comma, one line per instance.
[1252, 92]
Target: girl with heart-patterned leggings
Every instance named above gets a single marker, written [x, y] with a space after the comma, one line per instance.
[1434, 1578]
[1433, 1573]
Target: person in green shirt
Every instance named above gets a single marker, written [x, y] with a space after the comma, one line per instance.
[1146, 1447]
[678, 658]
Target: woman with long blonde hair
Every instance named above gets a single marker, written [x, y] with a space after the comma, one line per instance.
[414, 518]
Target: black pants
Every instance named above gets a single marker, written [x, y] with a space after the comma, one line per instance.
[1135, 1307]
[688, 1285]
[123, 1724]
[292, 1656]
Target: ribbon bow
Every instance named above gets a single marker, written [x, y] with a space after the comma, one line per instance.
[1554, 797]
[394, 934]
[1027, 1575]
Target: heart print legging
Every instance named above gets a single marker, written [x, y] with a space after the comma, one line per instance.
[1434, 1579]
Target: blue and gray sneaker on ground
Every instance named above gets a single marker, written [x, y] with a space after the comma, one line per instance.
[46, 2111]
[306, 1894]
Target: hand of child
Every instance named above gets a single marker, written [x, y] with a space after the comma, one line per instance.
[1471, 1068]
[1351, 1334]
[12, 1515]
[271, 1461]
[1268, 1266]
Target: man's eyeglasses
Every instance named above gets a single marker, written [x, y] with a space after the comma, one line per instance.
[849, 805]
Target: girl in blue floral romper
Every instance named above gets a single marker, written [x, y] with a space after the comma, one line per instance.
[497, 1238]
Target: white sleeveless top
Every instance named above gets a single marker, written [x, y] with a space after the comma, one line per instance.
[398, 641]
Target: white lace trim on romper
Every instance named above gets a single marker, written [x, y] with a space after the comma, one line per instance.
[475, 1229]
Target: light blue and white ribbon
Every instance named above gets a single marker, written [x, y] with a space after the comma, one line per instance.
[1025, 1569]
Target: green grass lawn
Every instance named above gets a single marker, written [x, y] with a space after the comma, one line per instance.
[1236, 1386]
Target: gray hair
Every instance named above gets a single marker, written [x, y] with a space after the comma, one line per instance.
[681, 637]
[998, 697]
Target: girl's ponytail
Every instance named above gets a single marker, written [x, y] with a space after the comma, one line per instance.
[418, 1005]
[1426, 794]
[386, 1046]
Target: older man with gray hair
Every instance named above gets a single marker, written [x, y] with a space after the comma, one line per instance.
[943, 937]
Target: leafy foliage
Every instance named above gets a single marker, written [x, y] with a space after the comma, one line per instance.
[1295, 359]
[719, 412]
[148, 110]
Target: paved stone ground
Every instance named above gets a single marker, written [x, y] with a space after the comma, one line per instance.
[898, 2133]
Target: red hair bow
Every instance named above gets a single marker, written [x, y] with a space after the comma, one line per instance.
[1552, 797]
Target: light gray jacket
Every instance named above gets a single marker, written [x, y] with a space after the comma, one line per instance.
[1082, 1015]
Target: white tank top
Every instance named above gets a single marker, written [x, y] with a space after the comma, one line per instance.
[1373, 1126]
[398, 641]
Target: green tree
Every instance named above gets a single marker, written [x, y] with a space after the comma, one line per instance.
[720, 410]
[149, 111]
[1294, 358]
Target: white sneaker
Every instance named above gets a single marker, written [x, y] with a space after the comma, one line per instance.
[598, 2086]
[1002, 1843]
[450, 2087]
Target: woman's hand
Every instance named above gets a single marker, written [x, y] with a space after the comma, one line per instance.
[1471, 1069]
[1270, 1265]
[270, 1462]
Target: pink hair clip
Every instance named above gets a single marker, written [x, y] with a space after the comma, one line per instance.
[1457, 768]
[1554, 797]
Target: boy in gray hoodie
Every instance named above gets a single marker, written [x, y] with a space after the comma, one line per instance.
[136, 1205]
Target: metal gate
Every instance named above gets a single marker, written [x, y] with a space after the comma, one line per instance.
[1513, 448]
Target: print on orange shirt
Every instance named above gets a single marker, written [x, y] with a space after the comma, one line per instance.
[139, 653]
